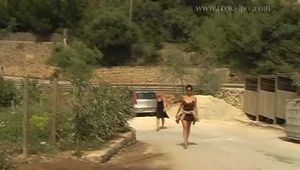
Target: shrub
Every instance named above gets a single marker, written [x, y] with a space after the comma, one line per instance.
[145, 53]
[5, 160]
[76, 60]
[34, 92]
[113, 35]
[8, 93]
[104, 111]
[11, 127]
[259, 42]
[210, 82]
[149, 16]
[179, 24]
[296, 78]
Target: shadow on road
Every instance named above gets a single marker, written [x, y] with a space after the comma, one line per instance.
[190, 143]
[289, 140]
[138, 156]
[145, 115]
[135, 157]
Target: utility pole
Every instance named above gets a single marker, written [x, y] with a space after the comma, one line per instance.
[130, 10]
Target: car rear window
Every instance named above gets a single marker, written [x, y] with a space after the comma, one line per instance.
[146, 95]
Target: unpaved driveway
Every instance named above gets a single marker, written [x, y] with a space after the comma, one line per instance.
[135, 157]
[215, 145]
[220, 145]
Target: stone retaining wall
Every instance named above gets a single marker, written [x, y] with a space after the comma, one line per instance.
[232, 96]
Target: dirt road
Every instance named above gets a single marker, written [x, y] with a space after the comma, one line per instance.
[135, 157]
[220, 145]
[216, 144]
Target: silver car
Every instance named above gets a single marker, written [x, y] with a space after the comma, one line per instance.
[144, 102]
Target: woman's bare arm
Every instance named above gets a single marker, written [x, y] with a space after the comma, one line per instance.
[196, 107]
[165, 103]
[180, 107]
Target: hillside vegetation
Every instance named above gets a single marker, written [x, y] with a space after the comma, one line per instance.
[261, 41]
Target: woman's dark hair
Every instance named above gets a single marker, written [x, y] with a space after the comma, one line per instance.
[189, 86]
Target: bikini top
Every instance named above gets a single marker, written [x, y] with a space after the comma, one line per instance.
[188, 106]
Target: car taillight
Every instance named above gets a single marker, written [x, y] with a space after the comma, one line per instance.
[135, 98]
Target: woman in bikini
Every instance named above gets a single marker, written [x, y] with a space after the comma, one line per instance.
[187, 113]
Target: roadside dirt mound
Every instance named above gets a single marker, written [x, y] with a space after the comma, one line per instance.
[213, 108]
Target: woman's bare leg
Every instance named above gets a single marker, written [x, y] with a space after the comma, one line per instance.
[185, 133]
[188, 131]
[157, 124]
[162, 122]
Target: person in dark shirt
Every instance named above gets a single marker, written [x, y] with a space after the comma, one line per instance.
[160, 111]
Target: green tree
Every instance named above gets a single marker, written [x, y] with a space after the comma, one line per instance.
[282, 39]
[179, 24]
[45, 16]
[149, 16]
[8, 93]
[232, 39]
[32, 15]
[4, 16]
[76, 60]
[114, 36]
[69, 12]
[253, 42]
[168, 4]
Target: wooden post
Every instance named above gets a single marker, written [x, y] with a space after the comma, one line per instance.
[54, 112]
[25, 117]
[276, 95]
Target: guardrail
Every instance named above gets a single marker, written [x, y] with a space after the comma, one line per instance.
[168, 88]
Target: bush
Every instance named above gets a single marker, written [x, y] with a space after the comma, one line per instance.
[76, 60]
[4, 16]
[113, 35]
[39, 130]
[210, 82]
[259, 42]
[8, 93]
[149, 16]
[66, 128]
[103, 112]
[11, 128]
[179, 24]
[44, 16]
[145, 54]
[34, 92]
[5, 160]
[296, 78]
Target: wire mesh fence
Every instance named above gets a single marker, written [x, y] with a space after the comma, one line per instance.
[34, 120]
